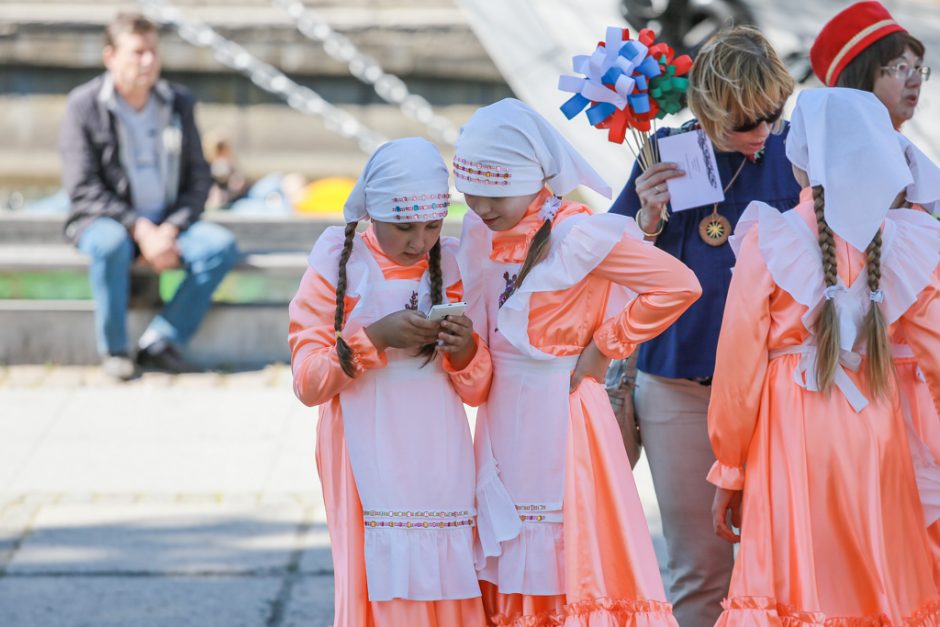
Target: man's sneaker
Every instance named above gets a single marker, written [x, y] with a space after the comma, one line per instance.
[119, 366]
[163, 357]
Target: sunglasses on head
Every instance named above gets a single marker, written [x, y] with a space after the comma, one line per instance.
[750, 125]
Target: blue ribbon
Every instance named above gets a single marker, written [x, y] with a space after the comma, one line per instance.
[574, 105]
[600, 112]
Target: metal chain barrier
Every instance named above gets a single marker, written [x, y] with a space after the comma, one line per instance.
[389, 87]
[264, 75]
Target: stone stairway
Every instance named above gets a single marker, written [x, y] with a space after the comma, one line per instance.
[49, 46]
[246, 329]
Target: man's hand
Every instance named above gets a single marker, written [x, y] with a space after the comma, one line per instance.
[157, 244]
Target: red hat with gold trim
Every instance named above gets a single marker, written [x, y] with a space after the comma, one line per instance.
[846, 35]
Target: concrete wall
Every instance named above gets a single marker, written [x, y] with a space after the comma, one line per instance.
[49, 46]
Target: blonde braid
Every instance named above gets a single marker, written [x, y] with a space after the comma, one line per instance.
[880, 366]
[827, 325]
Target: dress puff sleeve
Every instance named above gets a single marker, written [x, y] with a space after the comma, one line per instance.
[740, 365]
[318, 376]
[472, 382]
[664, 286]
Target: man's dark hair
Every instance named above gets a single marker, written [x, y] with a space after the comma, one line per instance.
[124, 23]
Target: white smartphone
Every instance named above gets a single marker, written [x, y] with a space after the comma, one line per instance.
[439, 312]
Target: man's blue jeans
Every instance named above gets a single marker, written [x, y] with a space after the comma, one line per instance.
[207, 251]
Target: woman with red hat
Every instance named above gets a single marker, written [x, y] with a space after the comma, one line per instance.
[863, 47]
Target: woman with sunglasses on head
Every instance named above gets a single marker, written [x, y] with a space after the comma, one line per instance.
[738, 89]
[862, 47]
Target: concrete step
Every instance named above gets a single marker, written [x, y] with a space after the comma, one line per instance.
[45, 258]
[254, 234]
[411, 38]
[63, 332]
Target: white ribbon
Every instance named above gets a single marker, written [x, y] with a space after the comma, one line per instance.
[549, 208]
[833, 290]
[596, 65]
[805, 373]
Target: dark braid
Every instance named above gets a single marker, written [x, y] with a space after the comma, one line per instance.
[437, 294]
[880, 363]
[537, 250]
[343, 350]
[827, 325]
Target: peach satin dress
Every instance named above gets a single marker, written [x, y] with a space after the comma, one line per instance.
[419, 563]
[833, 529]
[562, 535]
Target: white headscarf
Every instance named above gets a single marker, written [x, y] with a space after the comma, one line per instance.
[925, 190]
[843, 139]
[405, 180]
[508, 149]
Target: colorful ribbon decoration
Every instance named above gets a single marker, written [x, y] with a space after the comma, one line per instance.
[626, 83]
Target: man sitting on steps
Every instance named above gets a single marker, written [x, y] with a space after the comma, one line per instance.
[133, 166]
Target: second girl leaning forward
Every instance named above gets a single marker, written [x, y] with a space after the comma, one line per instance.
[556, 291]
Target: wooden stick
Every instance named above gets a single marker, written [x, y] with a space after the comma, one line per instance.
[644, 162]
[656, 142]
[635, 147]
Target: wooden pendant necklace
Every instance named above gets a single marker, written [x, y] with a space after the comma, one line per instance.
[714, 229]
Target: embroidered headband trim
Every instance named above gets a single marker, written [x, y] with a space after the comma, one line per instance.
[485, 173]
[429, 216]
[465, 164]
[416, 207]
[485, 181]
[416, 197]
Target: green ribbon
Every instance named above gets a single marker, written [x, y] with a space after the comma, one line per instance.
[667, 90]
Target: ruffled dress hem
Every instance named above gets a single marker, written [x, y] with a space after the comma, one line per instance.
[748, 611]
[603, 612]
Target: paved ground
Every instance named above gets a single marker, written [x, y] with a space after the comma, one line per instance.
[166, 502]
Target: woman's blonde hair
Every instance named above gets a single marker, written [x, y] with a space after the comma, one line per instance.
[737, 78]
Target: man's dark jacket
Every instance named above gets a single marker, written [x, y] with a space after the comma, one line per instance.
[93, 173]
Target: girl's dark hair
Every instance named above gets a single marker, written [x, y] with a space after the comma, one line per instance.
[343, 349]
[861, 72]
[437, 294]
[537, 250]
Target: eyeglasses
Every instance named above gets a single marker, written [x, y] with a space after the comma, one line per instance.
[907, 71]
[750, 125]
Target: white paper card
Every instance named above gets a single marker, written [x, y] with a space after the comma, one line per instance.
[695, 155]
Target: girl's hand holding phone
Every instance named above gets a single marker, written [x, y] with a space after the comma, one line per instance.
[403, 329]
[456, 338]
